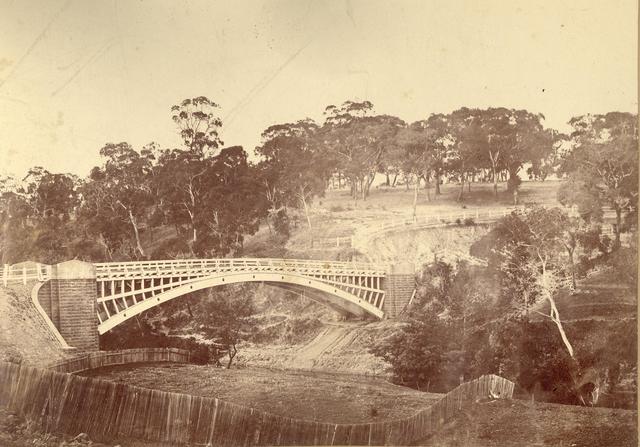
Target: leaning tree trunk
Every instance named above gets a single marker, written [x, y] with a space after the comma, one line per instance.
[554, 315]
[134, 224]
[306, 209]
[194, 230]
[231, 353]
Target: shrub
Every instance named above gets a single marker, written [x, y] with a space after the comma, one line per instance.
[469, 221]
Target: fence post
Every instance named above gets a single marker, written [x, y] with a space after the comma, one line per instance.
[24, 274]
[5, 274]
[337, 241]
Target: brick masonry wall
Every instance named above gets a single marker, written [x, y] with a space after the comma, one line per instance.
[69, 299]
[78, 320]
[399, 288]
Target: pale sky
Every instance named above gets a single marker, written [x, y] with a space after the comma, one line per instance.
[77, 74]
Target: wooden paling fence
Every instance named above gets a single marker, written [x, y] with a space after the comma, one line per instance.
[100, 359]
[109, 411]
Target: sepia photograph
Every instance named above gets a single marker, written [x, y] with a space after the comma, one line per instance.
[319, 223]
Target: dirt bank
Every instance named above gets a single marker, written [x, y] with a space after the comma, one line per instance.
[423, 245]
[23, 334]
[338, 347]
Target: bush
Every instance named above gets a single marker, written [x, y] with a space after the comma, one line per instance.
[336, 209]
[469, 221]
[418, 353]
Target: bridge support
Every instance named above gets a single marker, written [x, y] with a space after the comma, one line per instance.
[399, 284]
[69, 299]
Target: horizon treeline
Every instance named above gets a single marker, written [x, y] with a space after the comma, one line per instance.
[204, 198]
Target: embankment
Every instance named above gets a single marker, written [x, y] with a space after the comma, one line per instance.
[24, 335]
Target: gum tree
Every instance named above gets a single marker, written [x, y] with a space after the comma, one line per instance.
[358, 142]
[602, 169]
[294, 171]
[117, 195]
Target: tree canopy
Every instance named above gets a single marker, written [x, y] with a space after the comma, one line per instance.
[602, 168]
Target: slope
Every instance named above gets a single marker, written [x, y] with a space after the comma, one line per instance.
[23, 334]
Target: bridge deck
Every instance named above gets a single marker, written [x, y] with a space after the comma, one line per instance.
[151, 269]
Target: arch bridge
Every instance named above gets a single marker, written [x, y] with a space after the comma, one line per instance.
[81, 300]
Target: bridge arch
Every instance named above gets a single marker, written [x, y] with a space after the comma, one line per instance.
[331, 295]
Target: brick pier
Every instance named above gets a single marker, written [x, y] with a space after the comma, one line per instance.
[69, 299]
[399, 284]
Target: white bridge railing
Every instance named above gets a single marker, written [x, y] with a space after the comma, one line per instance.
[23, 273]
[151, 269]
